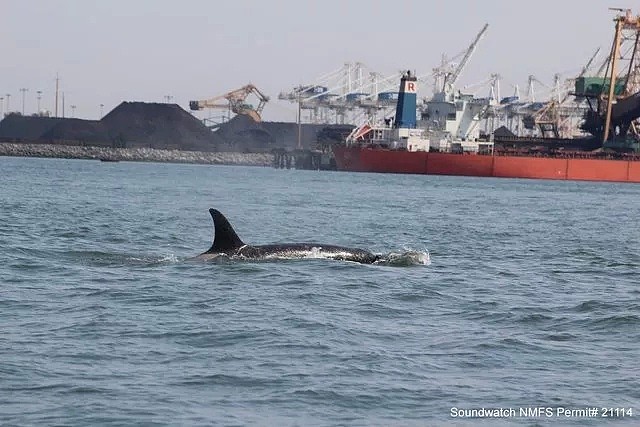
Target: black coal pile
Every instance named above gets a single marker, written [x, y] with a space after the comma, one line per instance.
[241, 133]
[130, 125]
[85, 132]
[16, 127]
[166, 126]
[156, 125]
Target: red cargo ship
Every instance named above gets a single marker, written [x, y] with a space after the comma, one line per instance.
[447, 142]
[375, 159]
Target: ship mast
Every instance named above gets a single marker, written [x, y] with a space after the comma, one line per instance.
[615, 51]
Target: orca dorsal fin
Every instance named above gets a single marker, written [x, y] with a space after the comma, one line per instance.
[225, 237]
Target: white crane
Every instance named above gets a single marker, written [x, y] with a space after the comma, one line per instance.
[450, 79]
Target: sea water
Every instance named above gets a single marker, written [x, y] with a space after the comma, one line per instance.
[511, 294]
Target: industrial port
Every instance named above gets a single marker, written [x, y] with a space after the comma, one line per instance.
[592, 112]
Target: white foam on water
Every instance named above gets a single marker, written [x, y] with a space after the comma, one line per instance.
[406, 258]
[169, 258]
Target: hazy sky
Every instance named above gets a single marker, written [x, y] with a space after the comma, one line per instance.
[144, 50]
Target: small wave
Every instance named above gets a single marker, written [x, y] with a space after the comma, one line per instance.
[508, 343]
[230, 380]
[534, 318]
[83, 390]
[561, 337]
[406, 259]
[592, 306]
[615, 322]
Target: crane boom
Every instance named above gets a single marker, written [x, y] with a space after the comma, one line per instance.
[451, 79]
[235, 102]
[588, 64]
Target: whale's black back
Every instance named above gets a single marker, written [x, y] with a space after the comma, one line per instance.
[226, 241]
[225, 238]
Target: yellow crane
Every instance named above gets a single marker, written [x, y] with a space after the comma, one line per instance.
[235, 102]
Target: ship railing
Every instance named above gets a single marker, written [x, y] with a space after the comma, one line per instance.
[570, 155]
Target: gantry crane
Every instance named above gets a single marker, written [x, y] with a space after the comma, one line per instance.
[553, 118]
[617, 98]
[627, 108]
[235, 102]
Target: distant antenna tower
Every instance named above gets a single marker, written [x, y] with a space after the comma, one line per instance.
[57, 87]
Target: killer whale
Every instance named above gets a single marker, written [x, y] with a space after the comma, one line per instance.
[226, 242]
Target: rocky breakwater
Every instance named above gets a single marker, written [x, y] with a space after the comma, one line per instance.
[135, 154]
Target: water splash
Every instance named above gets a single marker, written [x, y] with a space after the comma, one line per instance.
[168, 259]
[315, 253]
[406, 258]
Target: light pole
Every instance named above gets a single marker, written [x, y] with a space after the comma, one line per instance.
[299, 120]
[73, 111]
[24, 91]
[39, 98]
[101, 107]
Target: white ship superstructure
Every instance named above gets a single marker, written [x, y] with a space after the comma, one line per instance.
[448, 124]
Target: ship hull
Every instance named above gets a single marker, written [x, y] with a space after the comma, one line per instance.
[365, 159]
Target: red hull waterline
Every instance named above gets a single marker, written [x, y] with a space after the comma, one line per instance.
[363, 159]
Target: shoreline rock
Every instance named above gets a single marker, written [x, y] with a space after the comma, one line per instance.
[135, 154]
